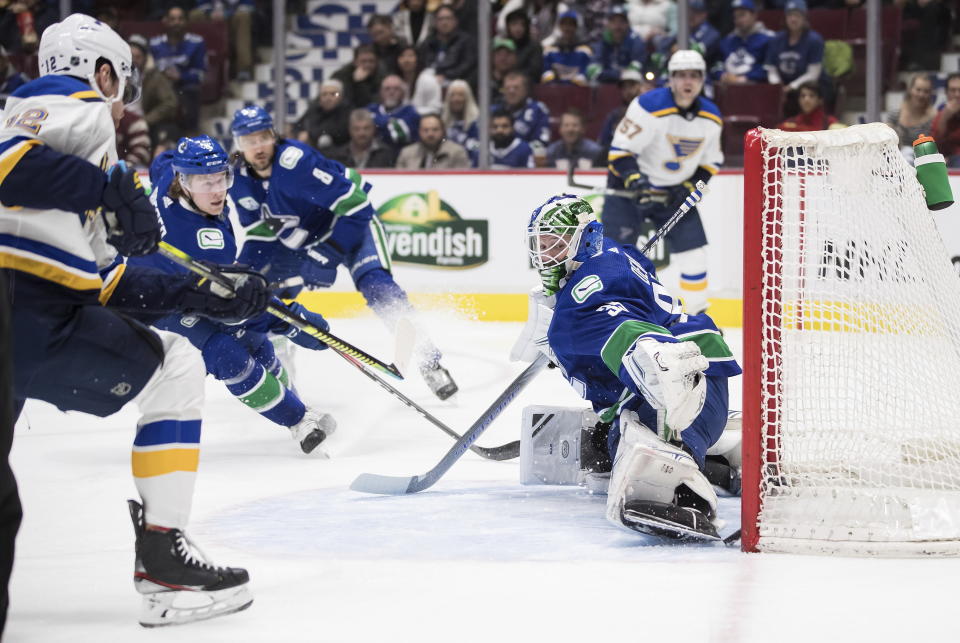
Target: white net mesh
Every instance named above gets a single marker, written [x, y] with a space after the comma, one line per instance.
[861, 352]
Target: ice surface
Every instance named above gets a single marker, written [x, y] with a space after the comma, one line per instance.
[477, 557]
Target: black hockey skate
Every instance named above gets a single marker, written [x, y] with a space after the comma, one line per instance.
[177, 583]
[438, 379]
[685, 519]
[312, 430]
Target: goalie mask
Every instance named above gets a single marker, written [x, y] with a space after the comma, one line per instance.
[561, 234]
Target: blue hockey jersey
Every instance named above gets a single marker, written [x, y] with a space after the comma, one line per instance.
[190, 57]
[610, 58]
[609, 302]
[398, 126]
[307, 199]
[792, 61]
[199, 235]
[745, 56]
[531, 121]
[517, 154]
[564, 63]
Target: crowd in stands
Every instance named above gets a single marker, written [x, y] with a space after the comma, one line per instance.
[562, 72]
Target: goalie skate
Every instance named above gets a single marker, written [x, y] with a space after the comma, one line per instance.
[178, 584]
[667, 520]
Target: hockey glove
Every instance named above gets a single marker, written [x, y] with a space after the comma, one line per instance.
[327, 254]
[677, 194]
[533, 337]
[248, 297]
[670, 377]
[133, 225]
[299, 337]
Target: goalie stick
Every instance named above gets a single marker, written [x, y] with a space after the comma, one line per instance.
[348, 351]
[399, 485]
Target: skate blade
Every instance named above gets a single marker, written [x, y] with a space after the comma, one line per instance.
[659, 523]
[181, 607]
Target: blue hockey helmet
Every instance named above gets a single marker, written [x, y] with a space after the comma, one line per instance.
[197, 159]
[250, 119]
[561, 233]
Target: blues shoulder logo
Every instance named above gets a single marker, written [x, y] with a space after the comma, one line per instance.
[423, 229]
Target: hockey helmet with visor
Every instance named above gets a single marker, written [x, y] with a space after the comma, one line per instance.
[202, 165]
[78, 44]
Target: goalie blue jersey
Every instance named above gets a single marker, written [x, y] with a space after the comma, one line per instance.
[308, 199]
[613, 299]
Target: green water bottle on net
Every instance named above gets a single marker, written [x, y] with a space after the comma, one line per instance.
[932, 173]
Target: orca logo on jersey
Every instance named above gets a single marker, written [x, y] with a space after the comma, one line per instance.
[210, 238]
[586, 287]
[613, 308]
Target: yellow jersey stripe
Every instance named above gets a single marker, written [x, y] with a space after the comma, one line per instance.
[49, 271]
[87, 93]
[107, 291]
[693, 285]
[712, 117]
[157, 463]
[665, 112]
[13, 156]
[712, 169]
[613, 156]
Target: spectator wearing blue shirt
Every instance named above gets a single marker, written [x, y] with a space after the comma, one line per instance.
[744, 51]
[507, 150]
[573, 149]
[795, 55]
[182, 56]
[396, 120]
[567, 59]
[618, 49]
[531, 118]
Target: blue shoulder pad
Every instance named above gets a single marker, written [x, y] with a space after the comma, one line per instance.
[657, 100]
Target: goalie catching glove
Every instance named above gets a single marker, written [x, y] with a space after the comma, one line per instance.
[670, 377]
[533, 337]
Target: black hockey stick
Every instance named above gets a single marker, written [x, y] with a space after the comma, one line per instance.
[691, 201]
[572, 182]
[348, 351]
[399, 485]
[352, 354]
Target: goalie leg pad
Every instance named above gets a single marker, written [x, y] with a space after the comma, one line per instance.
[648, 470]
[550, 444]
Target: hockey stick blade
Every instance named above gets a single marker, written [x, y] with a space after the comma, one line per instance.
[396, 485]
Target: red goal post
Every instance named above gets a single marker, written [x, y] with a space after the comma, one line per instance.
[851, 335]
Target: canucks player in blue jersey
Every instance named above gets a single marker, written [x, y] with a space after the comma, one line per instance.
[66, 209]
[305, 215]
[191, 197]
[654, 374]
[668, 139]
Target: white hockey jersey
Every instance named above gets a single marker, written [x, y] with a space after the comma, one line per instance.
[667, 144]
[60, 246]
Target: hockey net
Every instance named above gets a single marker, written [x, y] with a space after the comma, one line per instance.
[851, 351]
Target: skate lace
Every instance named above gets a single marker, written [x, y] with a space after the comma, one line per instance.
[192, 554]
